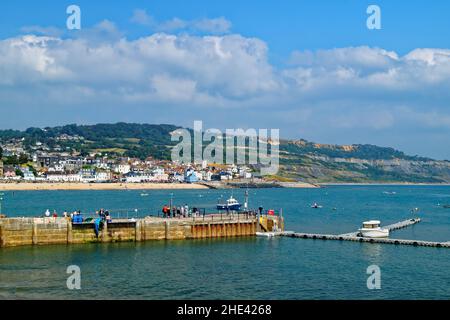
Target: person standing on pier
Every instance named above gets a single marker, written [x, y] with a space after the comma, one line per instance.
[165, 211]
[260, 210]
[108, 217]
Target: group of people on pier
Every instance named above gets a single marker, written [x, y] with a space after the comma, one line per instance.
[65, 214]
[104, 215]
[179, 212]
[77, 216]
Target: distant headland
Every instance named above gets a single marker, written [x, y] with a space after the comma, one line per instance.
[141, 153]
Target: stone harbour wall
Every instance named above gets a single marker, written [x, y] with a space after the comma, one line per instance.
[46, 231]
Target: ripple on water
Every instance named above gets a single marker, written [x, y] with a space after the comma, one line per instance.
[245, 268]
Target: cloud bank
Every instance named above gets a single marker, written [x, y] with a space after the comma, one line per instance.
[214, 26]
[336, 95]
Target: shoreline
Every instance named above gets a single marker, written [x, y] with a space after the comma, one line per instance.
[26, 186]
[98, 186]
[29, 186]
[383, 184]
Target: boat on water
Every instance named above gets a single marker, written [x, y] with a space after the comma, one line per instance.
[265, 234]
[231, 204]
[144, 194]
[272, 234]
[316, 206]
[372, 229]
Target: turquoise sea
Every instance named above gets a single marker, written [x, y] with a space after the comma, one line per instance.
[240, 268]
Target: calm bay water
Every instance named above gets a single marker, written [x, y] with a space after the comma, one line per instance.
[245, 268]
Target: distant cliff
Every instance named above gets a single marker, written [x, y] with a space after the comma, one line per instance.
[357, 163]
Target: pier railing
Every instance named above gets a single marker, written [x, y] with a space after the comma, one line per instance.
[198, 215]
[224, 217]
[194, 217]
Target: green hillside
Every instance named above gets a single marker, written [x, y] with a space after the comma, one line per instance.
[299, 159]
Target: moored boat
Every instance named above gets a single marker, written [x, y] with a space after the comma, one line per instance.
[231, 204]
[316, 206]
[265, 234]
[372, 229]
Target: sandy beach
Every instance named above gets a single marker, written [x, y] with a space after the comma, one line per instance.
[384, 184]
[98, 186]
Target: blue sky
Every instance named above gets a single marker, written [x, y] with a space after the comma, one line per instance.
[285, 25]
[310, 68]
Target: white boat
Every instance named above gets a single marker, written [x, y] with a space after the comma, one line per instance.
[372, 229]
[265, 234]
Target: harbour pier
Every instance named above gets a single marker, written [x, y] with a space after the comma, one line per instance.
[49, 230]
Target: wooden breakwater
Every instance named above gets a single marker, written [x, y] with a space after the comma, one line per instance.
[45, 231]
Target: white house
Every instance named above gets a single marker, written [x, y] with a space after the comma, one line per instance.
[27, 174]
[206, 175]
[138, 178]
[122, 168]
[178, 177]
[245, 173]
[60, 177]
[56, 168]
[102, 176]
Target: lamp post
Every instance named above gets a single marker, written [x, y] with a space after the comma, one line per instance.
[1, 199]
[246, 200]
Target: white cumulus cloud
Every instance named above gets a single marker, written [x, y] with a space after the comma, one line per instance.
[225, 79]
[218, 25]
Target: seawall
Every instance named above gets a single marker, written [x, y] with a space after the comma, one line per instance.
[47, 231]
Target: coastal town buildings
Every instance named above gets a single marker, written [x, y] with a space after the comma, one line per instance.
[40, 163]
[54, 167]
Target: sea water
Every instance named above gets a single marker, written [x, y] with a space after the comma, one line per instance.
[240, 268]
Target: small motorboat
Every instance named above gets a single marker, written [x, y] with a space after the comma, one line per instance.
[265, 234]
[231, 205]
[316, 206]
[372, 229]
[144, 194]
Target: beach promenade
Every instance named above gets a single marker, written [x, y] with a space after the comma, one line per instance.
[99, 186]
